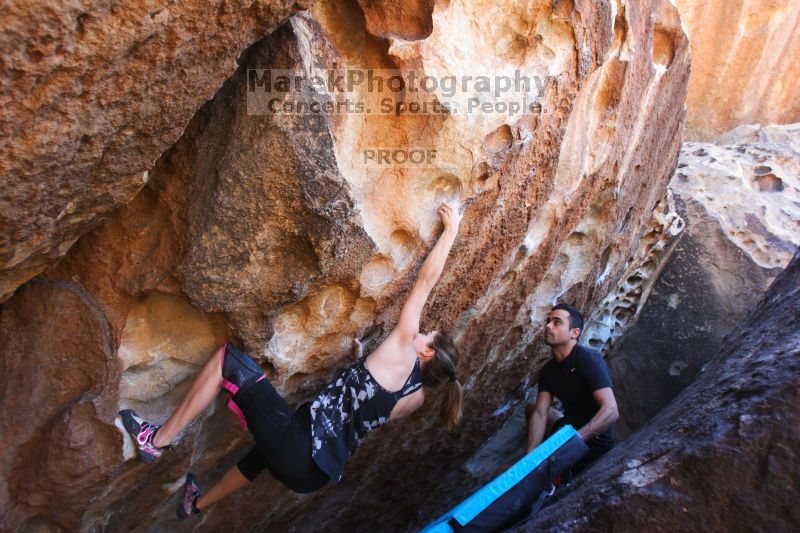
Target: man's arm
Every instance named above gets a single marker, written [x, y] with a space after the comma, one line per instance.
[537, 422]
[607, 415]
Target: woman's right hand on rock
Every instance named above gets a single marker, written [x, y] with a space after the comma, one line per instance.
[450, 216]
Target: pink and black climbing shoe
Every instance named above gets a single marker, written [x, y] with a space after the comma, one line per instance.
[143, 434]
[191, 492]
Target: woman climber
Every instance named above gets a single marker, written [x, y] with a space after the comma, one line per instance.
[306, 448]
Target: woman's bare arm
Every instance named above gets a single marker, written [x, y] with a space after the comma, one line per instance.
[428, 275]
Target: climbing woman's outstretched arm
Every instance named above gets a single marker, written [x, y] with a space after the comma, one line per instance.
[428, 274]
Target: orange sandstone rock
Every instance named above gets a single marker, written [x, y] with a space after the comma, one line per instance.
[283, 232]
[91, 95]
[744, 64]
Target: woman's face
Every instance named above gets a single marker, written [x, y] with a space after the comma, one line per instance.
[421, 342]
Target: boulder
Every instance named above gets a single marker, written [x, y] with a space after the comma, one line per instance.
[740, 199]
[278, 231]
[58, 442]
[92, 94]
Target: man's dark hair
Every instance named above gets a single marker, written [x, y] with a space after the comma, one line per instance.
[575, 317]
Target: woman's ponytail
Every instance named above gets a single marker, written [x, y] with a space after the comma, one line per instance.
[451, 408]
[441, 370]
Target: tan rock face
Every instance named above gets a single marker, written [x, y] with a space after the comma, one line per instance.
[92, 94]
[749, 183]
[164, 341]
[277, 230]
[744, 64]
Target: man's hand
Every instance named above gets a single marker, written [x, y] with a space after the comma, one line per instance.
[450, 216]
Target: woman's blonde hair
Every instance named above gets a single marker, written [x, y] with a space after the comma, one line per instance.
[440, 370]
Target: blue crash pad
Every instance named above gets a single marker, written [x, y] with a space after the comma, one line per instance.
[467, 510]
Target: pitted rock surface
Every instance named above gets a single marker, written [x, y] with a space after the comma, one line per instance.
[274, 231]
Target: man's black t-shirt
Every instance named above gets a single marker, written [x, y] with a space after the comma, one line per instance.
[573, 381]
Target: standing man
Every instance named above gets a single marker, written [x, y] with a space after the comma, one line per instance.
[579, 377]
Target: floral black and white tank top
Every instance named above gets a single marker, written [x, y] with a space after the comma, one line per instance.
[347, 409]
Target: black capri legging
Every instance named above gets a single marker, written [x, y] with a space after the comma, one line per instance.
[283, 437]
